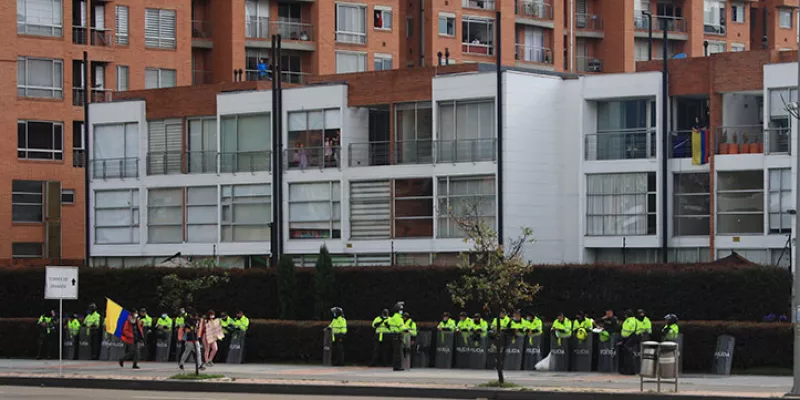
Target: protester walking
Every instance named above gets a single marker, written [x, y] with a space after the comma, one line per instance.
[132, 335]
[191, 341]
[212, 332]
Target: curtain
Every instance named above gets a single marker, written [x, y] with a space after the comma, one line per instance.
[151, 78]
[106, 141]
[168, 78]
[201, 214]
[254, 133]
[616, 204]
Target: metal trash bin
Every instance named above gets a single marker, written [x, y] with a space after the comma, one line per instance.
[649, 359]
[667, 365]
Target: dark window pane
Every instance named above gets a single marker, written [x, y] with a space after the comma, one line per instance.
[21, 142]
[413, 208]
[17, 198]
[39, 155]
[26, 186]
[68, 196]
[26, 250]
[58, 134]
[77, 135]
[26, 213]
[21, 154]
[413, 188]
[413, 228]
[58, 156]
[40, 135]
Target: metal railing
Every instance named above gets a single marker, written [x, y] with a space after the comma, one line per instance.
[672, 24]
[77, 96]
[111, 168]
[79, 34]
[257, 28]
[747, 139]
[535, 9]
[286, 76]
[715, 29]
[588, 21]
[201, 29]
[164, 162]
[302, 158]
[627, 144]
[478, 48]
[534, 54]
[680, 144]
[291, 30]
[102, 37]
[200, 77]
[479, 4]
[422, 152]
[102, 95]
[78, 158]
[778, 141]
[245, 161]
[589, 64]
[201, 162]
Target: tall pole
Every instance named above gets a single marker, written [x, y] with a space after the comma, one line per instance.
[274, 232]
[499, 67]
[649, 16]
[796, 262]
[664, 147]
[60, 337]
[87, 209]
[279, 136]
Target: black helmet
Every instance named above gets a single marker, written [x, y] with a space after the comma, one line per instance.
[92, 307]
[337, 312]
[407, 315]
[671, 319]
[463, 314]
[399, 306]
[385, 313]
[476, 316]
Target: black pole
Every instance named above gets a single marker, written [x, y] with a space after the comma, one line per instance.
[649, 36]
[87, 209]
[274, 234]
[499, 66]
[421, 33]
[624, 248]
[664, 146]
[279, 135]
[705, 48]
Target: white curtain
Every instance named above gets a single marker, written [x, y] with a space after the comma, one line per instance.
[254, 133]
[107, 139]
[616, 204]
[447, 121]
[350, 62]
[116, 216]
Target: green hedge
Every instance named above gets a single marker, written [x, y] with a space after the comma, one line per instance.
[758, 345]
[694, 292]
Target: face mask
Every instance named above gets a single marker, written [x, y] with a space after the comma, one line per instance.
[211, 316]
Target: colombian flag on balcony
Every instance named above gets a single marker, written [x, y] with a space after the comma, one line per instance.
[115, 318]
[699, 147]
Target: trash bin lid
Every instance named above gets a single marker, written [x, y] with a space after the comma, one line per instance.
[668, 345]
[650, 343]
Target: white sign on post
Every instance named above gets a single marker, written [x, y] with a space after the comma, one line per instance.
[61, 283]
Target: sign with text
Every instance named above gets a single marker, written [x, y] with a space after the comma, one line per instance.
[61, 283]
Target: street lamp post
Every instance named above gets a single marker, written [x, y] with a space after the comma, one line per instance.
[794, 110]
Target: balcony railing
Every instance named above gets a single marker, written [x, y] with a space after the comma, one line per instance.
[672, 24]
[77, 96]
[257, 28]
[164, 163]
[79, 34]
[201, 162]
[535, 9]
[628, 144]
[680, 144]
[588, 21]
[201, 29]
[292, 30]
[302, 158]
[286, 76]
[778, 141]
[422, 152]
[78, 158]
[111, 168]
[711, 29]
[589, 64]
[102, 95]
[102, 37]
[351, 37]
[201, 77]
[246, 161]
[534, 54]
[739, 140]
[478, 48]
[479, 4]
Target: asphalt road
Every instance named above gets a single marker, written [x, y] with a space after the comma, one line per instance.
[33, 393]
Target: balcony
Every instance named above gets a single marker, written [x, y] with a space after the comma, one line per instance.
[534, 54]
[715, 29]
[201, 162]
[778, 141]
[588, 22]
[478, 48]
[78, 95]
[739, 140]
[680, 144]
[245, 161]
[111, 168]
[535, 9]
[257, 28]
[292, 30]
[627, 144]
[201, 29]
[102, 37]
[98, 96]
[479, 4]
[672, 24]
[164, 163]
[201, 77]
[303, 158]
[422, 152]
[78, 158]
[589, 64]
[79, 34]
[286, 76]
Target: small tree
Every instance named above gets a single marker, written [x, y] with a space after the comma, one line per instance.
[176, 292]
[287, 287]
[492, 275]
[324, 283]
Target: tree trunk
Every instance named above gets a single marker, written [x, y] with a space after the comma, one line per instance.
[500, 356]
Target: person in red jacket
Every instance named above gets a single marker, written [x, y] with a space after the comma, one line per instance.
[132, 335]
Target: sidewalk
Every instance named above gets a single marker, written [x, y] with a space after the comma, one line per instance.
[305, 377]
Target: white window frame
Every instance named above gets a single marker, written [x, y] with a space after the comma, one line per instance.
[362, 60]
[447, 18]
[383, 58]
[122, 28]
[206, 209]
[717, 46]
[332, 201]
[677, 196]
[738, 13]
[161, 38]
[123, 70]
[161, 71]
[27, 204]
[228, 203]
[352, 37]
[132, 207]
[714, 17]
[785, 14]
[23, 88]
[54, 27]
[55, 154]
[445, 202]
[733, 192]
[153, 209]
[70, 196]
[776, 193]
[385, 12]
[641, 210]
[738, 47]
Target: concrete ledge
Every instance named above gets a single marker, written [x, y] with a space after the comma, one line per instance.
[345, 390]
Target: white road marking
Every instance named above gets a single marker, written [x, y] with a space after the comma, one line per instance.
[173, 398]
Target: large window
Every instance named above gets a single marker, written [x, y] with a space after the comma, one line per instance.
[121, 15]
[467, 197]
[714, 16]
[625, 130]
[159, 28]
[315, 210]
[246, 141]
[383, 62]
[466, 131]
[40, 77]
[349, 61]
[40, 140]
[40, 17]
[201, 214]
[785, 17]
[371, 210]
[737, 12]
[122, 78]
[157, 78]
[246, 213]
[413, 208]
[351, 23]
[382, 18]
[621, 204]
[691, 206]
[256, 13]
[26, 250]
[164, 146]
[477, 35]
[413, 133]
[27, 199]
[716, 46]
[291, 65]
[115, 151]
[740, 202]
[202, 155]
[780, 200]
[314, 139]
[164, 215]
[116, 216]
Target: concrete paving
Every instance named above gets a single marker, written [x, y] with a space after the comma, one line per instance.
[738, 385]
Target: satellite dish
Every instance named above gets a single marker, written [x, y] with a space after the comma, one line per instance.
[679, 55]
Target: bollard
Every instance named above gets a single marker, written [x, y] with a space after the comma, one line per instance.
[649, 359]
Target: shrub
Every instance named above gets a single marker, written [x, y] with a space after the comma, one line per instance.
[287, 287]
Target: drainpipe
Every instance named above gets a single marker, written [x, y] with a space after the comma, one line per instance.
[86, 190]
[421, 33]
[571, 35]
[499, 67]
[664, 147]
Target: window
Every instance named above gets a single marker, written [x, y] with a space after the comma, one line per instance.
[315, 211]
[383, 62]
[691, 205]
[314, 139]
[625, 131]
[202, 147]
[27, 201]
[409, 27]
[477, 35]
[382, 19]
[447, 25]
[640, 50]
[413, 127]
[26, 250]
[413, 208]
[115, 150]
[737, 12]
[466, 131]
[116, 216]
[371, 210]
[246, 143]
[465, 196]
[122, 78]
[257, 18]
[780, 200]
[40, 140]
[621, 204]
[740, 202]
[351, 23]
[78, 150]
[201, 214]
[164, 146]
[785, 17]
[715, 47]
[348, 61]
[67, 196]
[40, 17]
[121, 14]
[159, 28]
[484, 4]
[156, 78]
[714, 16]
[40, 77]
[735, 47]
[164, 221]
[246, 213]
[689, 255]
[291, 65]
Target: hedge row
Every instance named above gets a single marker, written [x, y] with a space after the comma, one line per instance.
[758, 345]
[694, 292]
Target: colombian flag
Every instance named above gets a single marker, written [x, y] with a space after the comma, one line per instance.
[699, 147]
[116, 317]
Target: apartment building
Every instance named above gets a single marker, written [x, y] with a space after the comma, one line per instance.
[374, 176]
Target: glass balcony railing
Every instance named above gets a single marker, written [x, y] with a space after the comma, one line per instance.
[534, 54]
[478, 48]
[247, 161]
[739, 140]
[778, 141]
[292, 30]
[590, 22]
[479, 4]
[201, 29]
[628, 144]
[422, 152]
[535, 9]
[589, 64]
[257, 28]
[302, 158]
[111, 168]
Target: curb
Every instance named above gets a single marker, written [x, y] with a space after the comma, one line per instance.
[348, 391]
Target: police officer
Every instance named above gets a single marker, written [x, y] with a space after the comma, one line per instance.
[582, 325]
[670, 332]
[92, 323]
[628, 344]
[397, 328]
[73, 325]
[464, 324]
[379, 348]
[516, 323]
[147, 328]
[409, 325]
[226, 322]
[562, 328]
[180, 327]
[164, 326]
[609, 325]
[446, 324]
[532, 324]
[479, 325]
[47, 326]
[338, 327]
[644, 328]
[505, 321]
[241, 323]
